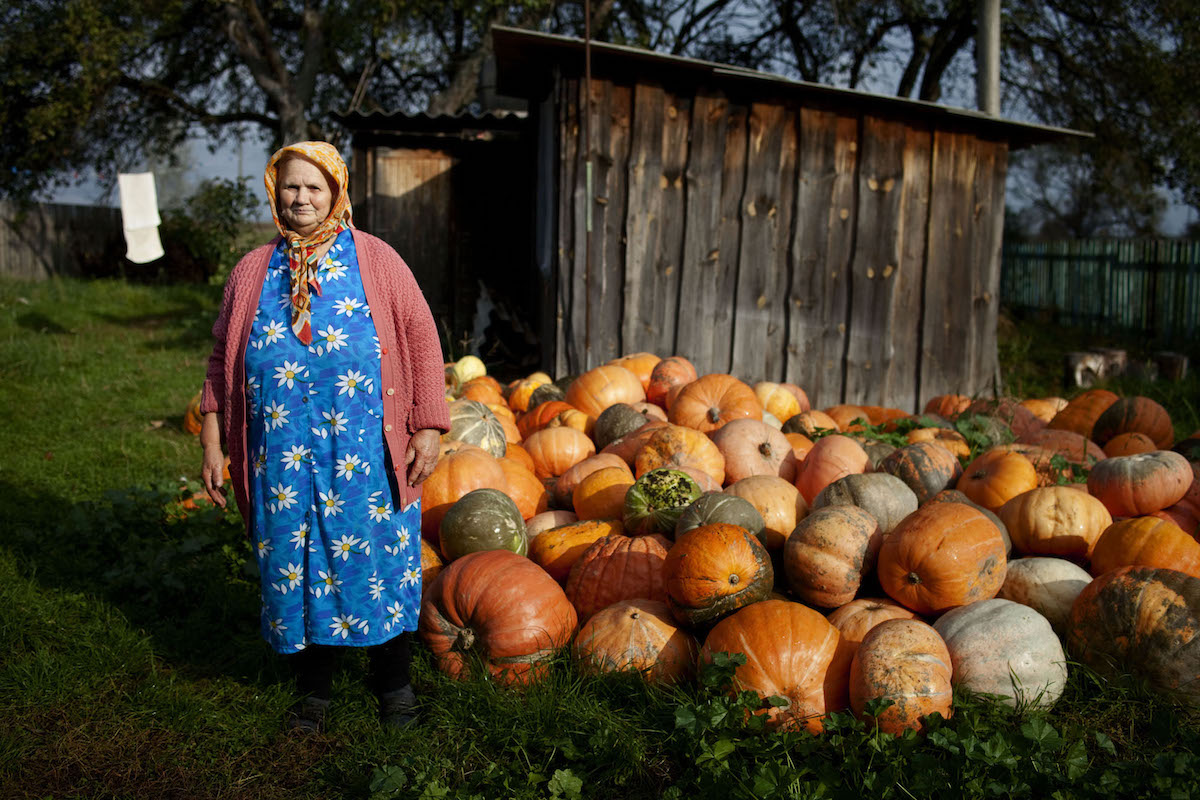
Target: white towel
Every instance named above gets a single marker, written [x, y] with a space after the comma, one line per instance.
[139, 215]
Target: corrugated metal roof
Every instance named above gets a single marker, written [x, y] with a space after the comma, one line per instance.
[524, 60]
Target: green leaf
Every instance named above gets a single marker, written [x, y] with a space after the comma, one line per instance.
[565, 784]
[387, 780]
[1105, 743]
[1043, 733]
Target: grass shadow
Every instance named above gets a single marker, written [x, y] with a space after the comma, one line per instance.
[186, 577]
[40, 323]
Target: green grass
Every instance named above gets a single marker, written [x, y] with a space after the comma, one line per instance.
[131, 666]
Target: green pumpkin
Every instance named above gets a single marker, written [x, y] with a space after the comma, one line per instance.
[721, 507]
[656, 501]
[474, 423]
[483, 519]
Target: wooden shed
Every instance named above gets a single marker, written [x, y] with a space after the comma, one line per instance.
[773, 229]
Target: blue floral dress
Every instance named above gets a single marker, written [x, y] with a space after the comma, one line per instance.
[339, 563]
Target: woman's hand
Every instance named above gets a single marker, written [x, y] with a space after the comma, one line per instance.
[213, 463]
[422, 454]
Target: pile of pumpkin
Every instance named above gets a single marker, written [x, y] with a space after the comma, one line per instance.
[649, 517]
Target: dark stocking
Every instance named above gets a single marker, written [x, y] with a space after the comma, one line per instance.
[389, 664]
[313, 668]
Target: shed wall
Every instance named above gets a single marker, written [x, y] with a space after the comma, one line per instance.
[853, 255]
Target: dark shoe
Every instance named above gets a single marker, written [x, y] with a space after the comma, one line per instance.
[308, 715]
[398, 709]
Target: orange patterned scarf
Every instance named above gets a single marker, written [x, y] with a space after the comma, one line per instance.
[302, 250]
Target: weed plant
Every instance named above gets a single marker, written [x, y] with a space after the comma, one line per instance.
[132, 667]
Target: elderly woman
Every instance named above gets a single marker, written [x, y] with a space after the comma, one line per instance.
[326, 385]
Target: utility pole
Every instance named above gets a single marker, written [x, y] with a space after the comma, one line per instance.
[987, 57]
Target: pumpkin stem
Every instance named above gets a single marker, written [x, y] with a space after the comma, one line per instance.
[765, 449]
[733, 579]
[913, 578]
[714, 414]
[465, 639]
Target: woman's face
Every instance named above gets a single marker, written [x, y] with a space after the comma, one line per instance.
[304, 195]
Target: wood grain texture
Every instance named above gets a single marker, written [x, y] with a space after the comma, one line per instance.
[821, 251]
[703, 283]
[914, 202]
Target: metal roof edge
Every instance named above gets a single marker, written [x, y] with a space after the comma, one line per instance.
[518, 50]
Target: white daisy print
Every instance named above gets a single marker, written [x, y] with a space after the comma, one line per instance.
[300, 536]
[333, 270]
[395, 616]
[288, 373]
[343, 547]
[402, 539]
[378, 508]
[276, 416]
[412, 575]
[351, 464]
[260, 460]
[277, 626]
[283, 498]
[347, 306]
[327, 583]
[336, 421]
[333, 338]
[348, 383]
[293, 458]
[378, 347]
[263, 547]
[375, 586]
[273, 333]
[252, 385]
[332, 503]
[292, 574]
[343, 624]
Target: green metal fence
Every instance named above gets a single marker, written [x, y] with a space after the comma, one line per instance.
[1109, 285]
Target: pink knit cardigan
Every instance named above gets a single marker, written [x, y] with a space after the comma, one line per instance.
[411, 361]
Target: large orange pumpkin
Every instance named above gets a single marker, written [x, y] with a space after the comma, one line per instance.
[557, 549]
[925, 467]
[952, 440]
[752, 447]
[941, 556]
[671, 372]
[1074, 447]
[192, 418]
[1146, 542]
[675, 446]
[526, 490]
[905, 661]
[1140, 484]
[829, 553]
[996, 476]
[713, 570]
[1044, 408]
[501, 607]
[1081, 413]
[601, 495]
[600, 387]
[1055, 521]
[832, 457]
[1135, 414]
[555, 450]
[637, 635]
[712, 400]
[1129, 444]
[777, 400]
[856, 618]
[779, 502]
[540, 416]
[627, 447]
[1118, 626]
[618, 568]
[791, 652]
[810, 422]
[1009, 411]
[947, 405]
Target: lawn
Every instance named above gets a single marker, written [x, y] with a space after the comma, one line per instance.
[132, 666]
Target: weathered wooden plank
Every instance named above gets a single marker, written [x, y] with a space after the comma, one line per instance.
[873, 269]
[759, 325]
[658, 151]
[701, 288]
[719, 306]
[612, 108]
[821, 248]
[573, 201]
[947, 350]
[902, 383]
[988, 225]
[676, 132]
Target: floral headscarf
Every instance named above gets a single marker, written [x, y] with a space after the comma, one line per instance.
[302, 250]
